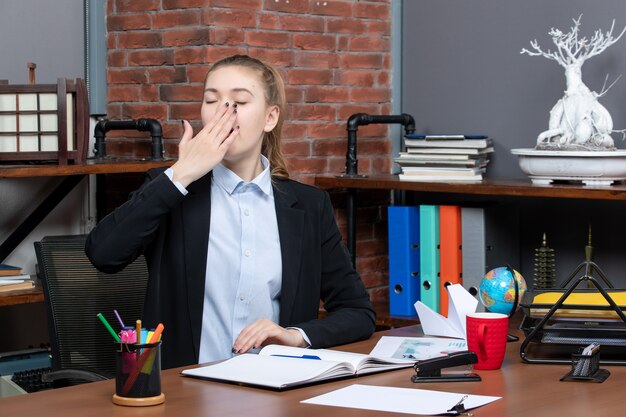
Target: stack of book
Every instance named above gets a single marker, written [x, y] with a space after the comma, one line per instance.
[11, 279]
[444, 157]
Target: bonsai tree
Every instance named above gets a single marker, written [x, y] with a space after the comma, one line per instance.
[577, 121]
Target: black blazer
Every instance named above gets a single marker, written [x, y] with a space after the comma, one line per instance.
[172, 231]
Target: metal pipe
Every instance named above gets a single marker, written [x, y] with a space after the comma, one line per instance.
[142, 125]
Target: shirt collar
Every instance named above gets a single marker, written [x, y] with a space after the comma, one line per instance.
[230, 181]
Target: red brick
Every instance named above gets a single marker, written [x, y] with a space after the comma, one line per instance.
[170, 147]
[329, 147]
[237, 4]
[138, 111]
[114, 111]
[111, 40]
[229, 17]
[302, 23]
[167, 75]
[226, 36]
[306, 165]
[326, 94]
[381, 165]
[172, 130]
[276, 57]
[197, 73]
[361, 61]
[126, 76]
[188, 92]
[177, 18]
[268, 39]
[342, 43]
[331, 8]
[293, 6]
[345, 25]
[373, 147]
[151, 57]
[316, 59]
[192, 55]
[294, 130]
[215, 53]
[136, 5]
[370, 95]
[294, 94]
[186, 111]
[338, 165]
[128, 22]
[135, 40]
[374, 131]
[296, 147]
[379, 27]
[382, 78]
[309, 76]
[149, 92]
[186, 37]
[312, 112]
[122, 93]
[327, 130]
[267, 21]
[370, 44]
[116, 58]
[380, 296]
[372, 247]
[369, 10]
[361, 78]
[183, 4]
[314, 42]
[372, 278]
[346, 111]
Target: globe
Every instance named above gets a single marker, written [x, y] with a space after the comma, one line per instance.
[497, 290]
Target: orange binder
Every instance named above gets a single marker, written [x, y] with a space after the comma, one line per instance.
[450, 256]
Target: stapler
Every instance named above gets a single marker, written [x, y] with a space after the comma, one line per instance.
[429, 370]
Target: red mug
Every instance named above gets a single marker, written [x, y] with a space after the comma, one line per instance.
[487, 335]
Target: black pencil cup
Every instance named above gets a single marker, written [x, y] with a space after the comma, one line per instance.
[138, 374]
[586, 368]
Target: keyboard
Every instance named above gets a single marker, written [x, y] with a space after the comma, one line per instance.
[30, 381]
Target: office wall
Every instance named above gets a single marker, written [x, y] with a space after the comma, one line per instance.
[463, 71]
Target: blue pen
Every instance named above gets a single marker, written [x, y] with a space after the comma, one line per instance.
[301, 357]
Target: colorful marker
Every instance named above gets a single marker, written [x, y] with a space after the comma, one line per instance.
[108, 327]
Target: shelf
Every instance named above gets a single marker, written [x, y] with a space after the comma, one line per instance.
[499, 187]
[32, 295]
[108, 166]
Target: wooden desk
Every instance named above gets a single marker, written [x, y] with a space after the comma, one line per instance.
[527, 390]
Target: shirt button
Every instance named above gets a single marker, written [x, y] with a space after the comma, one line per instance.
[246, 252]
[242, 297]
[246, 212]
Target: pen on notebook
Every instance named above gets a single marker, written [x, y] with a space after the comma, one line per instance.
[119, 318]
[108, 327]
[301, 357]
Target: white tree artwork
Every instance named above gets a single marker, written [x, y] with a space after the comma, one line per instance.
[577, 121]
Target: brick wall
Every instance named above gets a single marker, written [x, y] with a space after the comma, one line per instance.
[335, 59]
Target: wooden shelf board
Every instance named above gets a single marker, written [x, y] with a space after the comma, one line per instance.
[499, 187]
[32, 295]
[108, 166]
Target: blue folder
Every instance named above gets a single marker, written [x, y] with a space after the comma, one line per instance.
[404, 259]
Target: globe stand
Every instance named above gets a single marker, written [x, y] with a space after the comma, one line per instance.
[510, 337]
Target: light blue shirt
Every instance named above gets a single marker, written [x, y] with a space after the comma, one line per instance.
[244, 265]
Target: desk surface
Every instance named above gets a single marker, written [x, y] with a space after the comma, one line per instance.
[527, 390]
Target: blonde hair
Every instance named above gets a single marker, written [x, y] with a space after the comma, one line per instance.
[274, 96]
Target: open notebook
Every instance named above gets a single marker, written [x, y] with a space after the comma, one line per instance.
[281, 367]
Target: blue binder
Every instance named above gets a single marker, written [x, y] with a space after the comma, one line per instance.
[429, 256]
[404, 259]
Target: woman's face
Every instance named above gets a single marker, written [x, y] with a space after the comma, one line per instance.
[243, 86]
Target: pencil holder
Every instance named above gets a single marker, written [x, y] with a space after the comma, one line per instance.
[138, 374]
[586, 367]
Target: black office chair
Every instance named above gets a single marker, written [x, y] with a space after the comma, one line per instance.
[75, 292]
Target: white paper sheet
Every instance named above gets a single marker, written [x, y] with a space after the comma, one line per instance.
[416, 348]
[460, 304]
[398, 400]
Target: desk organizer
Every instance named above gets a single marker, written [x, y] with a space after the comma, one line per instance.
[586, 368]
[555, 328]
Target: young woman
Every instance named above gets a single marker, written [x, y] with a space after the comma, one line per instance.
[239, 255]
